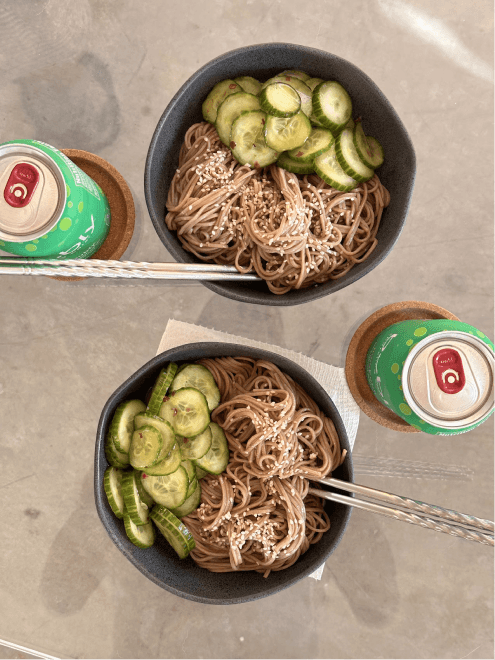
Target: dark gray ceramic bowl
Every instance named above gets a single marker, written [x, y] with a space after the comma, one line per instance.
[262, 61]
[160, 563]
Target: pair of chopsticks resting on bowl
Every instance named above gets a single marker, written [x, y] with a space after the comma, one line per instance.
[412, 511]
[122, 269]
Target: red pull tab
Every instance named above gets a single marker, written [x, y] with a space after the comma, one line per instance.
[21, 185]
[449, 372]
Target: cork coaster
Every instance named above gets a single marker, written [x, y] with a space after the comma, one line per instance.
[361, 341]
[120, 200]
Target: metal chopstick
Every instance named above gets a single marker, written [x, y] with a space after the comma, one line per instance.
[413, 511]
[112, 263]
[421, 508]
[126, 270]
[129, 274]
[453, 530]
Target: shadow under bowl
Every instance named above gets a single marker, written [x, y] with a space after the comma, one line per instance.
[263, 61]
[184, 577]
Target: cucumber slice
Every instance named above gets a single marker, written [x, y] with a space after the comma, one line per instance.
[300, 87]
[191, 503]
[327, 168]
[247, 140]
[112, 483]
[319, 141]
[137, 510]
[350, 124]
[168, 464]
[187, 412]
[201, 378]
[216, 96]
[200, 473]
[191, 488]
[217, 458]
[377, 151]
[146, 445]
[285, 134]
[280, 100]
[249, 84]
[369, 150]
[183, 366]
[169, 490]
[313, 82]
[296, 166]
[143, 495]
[295, 74]
[160, 388]
[163, 427]
[188, 466]
[121, 426]
[143, 535]
[228, 111]
[348, 157]
[315, 122]
[114, 456]
[194, 448]
[332, 105]
[176, 533]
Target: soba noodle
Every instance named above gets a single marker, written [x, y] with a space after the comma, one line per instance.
[257, 515]
[293, 231]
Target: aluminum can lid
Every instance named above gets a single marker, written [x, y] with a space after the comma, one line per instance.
[447, 379]
[32, 192]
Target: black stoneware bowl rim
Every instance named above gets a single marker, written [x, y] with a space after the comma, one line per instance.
[142, 378]
[260, 293]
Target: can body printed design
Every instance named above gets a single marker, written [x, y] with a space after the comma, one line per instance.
[49, 207]
[437, 375]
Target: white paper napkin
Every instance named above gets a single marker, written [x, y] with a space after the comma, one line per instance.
[331, 378]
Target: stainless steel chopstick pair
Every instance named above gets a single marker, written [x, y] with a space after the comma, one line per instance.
[121, 269]
[415, 512]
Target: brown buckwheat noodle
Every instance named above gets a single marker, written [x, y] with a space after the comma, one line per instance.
[293, 231]
[257, 515]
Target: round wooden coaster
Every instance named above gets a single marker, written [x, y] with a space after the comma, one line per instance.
[120, 200]
[360, 343]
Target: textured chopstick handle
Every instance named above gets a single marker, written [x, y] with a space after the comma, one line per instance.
[412, 505]
[141, 265]
[468, 535]
[90, 270]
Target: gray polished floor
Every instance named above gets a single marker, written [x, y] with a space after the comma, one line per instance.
[96, 75]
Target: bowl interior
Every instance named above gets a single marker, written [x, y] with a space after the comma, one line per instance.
[160, 563]
[263, 61]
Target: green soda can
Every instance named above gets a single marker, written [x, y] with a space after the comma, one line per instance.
[437, 375]
[49, 207]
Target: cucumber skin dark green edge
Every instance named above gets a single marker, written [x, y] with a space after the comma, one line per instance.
[267, 106]
[108, 492]
[344, 165]
[160, 389]
[296, 167]
[129, 533]
[129, 491]
[331, 182]
[121, 410]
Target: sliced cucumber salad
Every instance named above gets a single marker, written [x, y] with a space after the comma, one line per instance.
[230, 109]
[247, 140]
[199, 378]
[303, 123]
[158, 455]
[161, 387]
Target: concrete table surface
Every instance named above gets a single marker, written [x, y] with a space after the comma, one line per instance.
[96, 75]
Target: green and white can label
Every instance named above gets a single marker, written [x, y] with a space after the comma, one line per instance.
[49, 207]
[437, 375]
